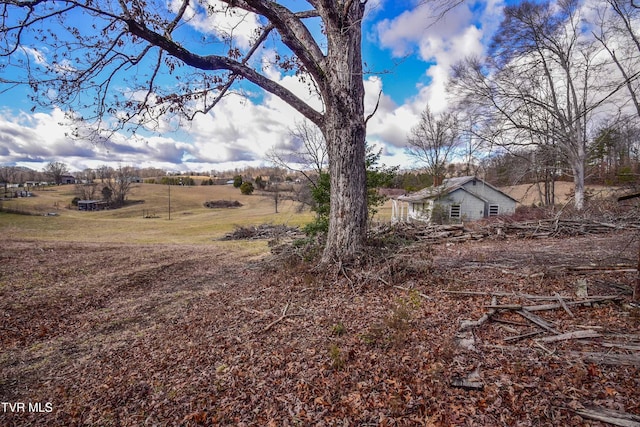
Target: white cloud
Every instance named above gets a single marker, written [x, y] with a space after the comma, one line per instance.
[402, 33]
[36, 55]
[221, 20]
[239, 131]
[391, 122]
[439, 42]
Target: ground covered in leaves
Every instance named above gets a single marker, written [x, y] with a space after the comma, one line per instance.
[182, 335]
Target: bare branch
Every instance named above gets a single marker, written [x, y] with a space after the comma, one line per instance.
[374, 109]
[215, 62]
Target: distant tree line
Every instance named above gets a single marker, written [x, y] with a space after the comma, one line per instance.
[613, 158]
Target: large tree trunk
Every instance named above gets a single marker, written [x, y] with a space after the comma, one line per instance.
[348, 214]
[344, 130]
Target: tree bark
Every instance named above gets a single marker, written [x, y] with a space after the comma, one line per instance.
[344, 130]
[578, 183]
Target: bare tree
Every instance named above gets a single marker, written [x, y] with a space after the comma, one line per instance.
[307, 151]
[471, 145]
[121, 183]
[434, 141]
[88, 175]
[105, 173]
[86, 190]
[306, 154]
[55, 171]
[84, 67]
[7, 176]
[621, 40]
[541, 77]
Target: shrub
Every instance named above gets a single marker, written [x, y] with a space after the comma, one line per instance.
[260, 183]
[246, 188]
[377, 177]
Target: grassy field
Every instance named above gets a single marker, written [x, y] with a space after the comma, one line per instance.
[148, 221]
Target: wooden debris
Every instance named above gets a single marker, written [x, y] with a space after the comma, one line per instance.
[466, 324]
[507, 328]
[264, 231]
[498, 294]
[281, 318]
[549, 352]
[571, 336]
[473, 381]
[623, 346]
[538, 229]
[608, 358]
[508, 322]
[508, 294]
[617, 418]
[537, 320]
[582, 291]
[466, 384]
[603, 269]
[521, 337]
[504, 306]
[564, 306]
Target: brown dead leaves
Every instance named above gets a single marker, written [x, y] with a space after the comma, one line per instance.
[145, 335]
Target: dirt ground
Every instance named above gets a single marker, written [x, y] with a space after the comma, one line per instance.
[130, 335]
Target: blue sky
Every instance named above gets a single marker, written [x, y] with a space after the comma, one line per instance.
[408, 53]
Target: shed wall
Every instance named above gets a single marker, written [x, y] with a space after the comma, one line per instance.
[493, 197]
[471, 208]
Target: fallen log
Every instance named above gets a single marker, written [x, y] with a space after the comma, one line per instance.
[473, 381]
[623, 346]
[604, 269]
[467, 384]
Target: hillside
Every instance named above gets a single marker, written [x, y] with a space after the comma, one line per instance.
[528, 194]
[147, 221]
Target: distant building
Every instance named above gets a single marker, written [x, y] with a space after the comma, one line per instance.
[67, 179]
[465, 198]
[91, 205]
